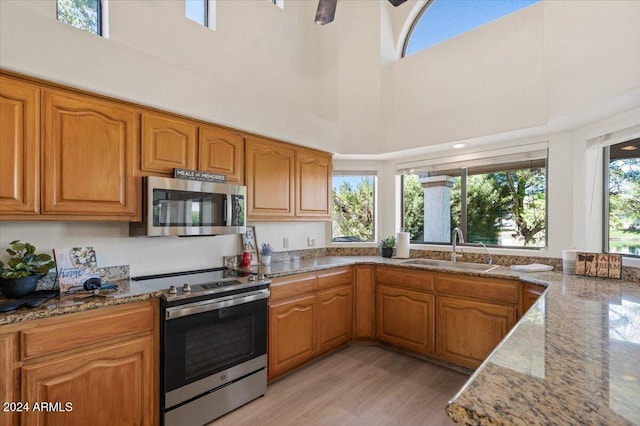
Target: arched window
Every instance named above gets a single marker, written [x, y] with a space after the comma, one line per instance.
[441, 20]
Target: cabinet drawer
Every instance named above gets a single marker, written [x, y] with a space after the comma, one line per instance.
[284, 287]
[87, 328]
[482, 288]
[412, 279]
[335, 277]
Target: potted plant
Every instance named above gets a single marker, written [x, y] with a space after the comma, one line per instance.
[386, 246]
[266, 251]
[19, 276]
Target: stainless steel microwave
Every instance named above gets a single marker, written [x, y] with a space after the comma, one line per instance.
[179, 207]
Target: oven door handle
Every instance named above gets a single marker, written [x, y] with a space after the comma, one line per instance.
[214, 304]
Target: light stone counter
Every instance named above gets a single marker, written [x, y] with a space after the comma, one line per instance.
[573, 358]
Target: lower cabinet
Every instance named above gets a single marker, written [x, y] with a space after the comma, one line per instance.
[334, 317]
[363, 320]
[98, 367]
[467, 331]
[530, 294]
[292, 337]
[405, 318]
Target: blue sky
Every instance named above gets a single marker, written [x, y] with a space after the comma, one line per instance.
[445, 19]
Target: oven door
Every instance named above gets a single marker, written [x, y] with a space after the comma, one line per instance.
[207, 337]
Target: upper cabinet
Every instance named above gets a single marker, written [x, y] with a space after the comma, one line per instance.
[222, 151]
[270, 179]
[286, 182]
[313, 184]
[20, 147]
[90, 152]
[168, 142]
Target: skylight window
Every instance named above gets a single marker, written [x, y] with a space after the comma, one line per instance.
[83, 14]
[442, 20]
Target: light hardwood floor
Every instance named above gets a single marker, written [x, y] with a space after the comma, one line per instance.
[358, 385]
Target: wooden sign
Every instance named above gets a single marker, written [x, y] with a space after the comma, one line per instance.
[602, 261]
[199, 176]
[615, 266]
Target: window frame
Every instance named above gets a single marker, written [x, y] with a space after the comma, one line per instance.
[606, 162]
[355, 173]
[464, 174]
[209, 14]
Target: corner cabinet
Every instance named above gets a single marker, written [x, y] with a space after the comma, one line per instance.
[89, 157]
[270, 180]
[20, 147]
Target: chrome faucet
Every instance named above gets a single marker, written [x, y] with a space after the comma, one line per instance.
[456, 232]
[488, 252]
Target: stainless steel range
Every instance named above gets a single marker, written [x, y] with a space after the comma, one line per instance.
[213, 343]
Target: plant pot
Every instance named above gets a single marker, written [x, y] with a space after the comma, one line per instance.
[265, 260]
[386, 251]
[13, 288]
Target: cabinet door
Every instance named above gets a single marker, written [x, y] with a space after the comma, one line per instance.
[112, 385]
[468, 331]
[270, 180]
[334, 317]
[405, 318]
[9, 377]
[89, 157]
[364, 298]
[530, 293]
[313, 184]
[292, 337]
[167, 142]
[221, 151]
[20, 147]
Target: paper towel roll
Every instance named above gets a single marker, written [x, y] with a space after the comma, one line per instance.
[402, 245]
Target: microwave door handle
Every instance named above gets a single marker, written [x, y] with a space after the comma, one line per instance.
[227, 210]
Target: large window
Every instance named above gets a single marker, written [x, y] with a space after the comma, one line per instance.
[201, 11]
[501, 204]
[353, 218]
[83, 14]
[441, 20]
[622, 198]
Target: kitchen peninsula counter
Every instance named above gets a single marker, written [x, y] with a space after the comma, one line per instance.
[573, 358]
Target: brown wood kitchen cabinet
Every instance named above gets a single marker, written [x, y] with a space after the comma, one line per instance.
[473, 314]
[20, 147]
[530, 294]
[313, 184]
[270, 168]
[222, 151]
[168, 142]
[308, 314]
[89, 157]
[405, 309]
[363, 320]
[100, 365]
[9, 377]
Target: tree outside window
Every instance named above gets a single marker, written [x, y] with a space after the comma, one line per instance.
[353, 208]
[83, 14]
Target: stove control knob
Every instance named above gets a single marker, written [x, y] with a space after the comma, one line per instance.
[173, 290]
[252, 277]
[186, 288]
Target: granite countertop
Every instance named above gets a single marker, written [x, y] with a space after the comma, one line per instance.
[128, 291]
[573, 358]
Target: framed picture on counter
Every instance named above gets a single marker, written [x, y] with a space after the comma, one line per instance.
[249, 244]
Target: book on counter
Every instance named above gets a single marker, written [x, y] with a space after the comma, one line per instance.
[75, 265]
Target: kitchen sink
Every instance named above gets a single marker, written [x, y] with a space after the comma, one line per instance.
[463, 266]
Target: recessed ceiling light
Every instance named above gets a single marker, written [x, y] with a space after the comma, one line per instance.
[629, 148]
[458, 145]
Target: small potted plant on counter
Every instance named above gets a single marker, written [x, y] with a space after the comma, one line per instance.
[19, 276]
[386, 246]
[266, 251]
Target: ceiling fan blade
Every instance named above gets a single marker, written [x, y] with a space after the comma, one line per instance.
[326, 11]
[397, 3]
